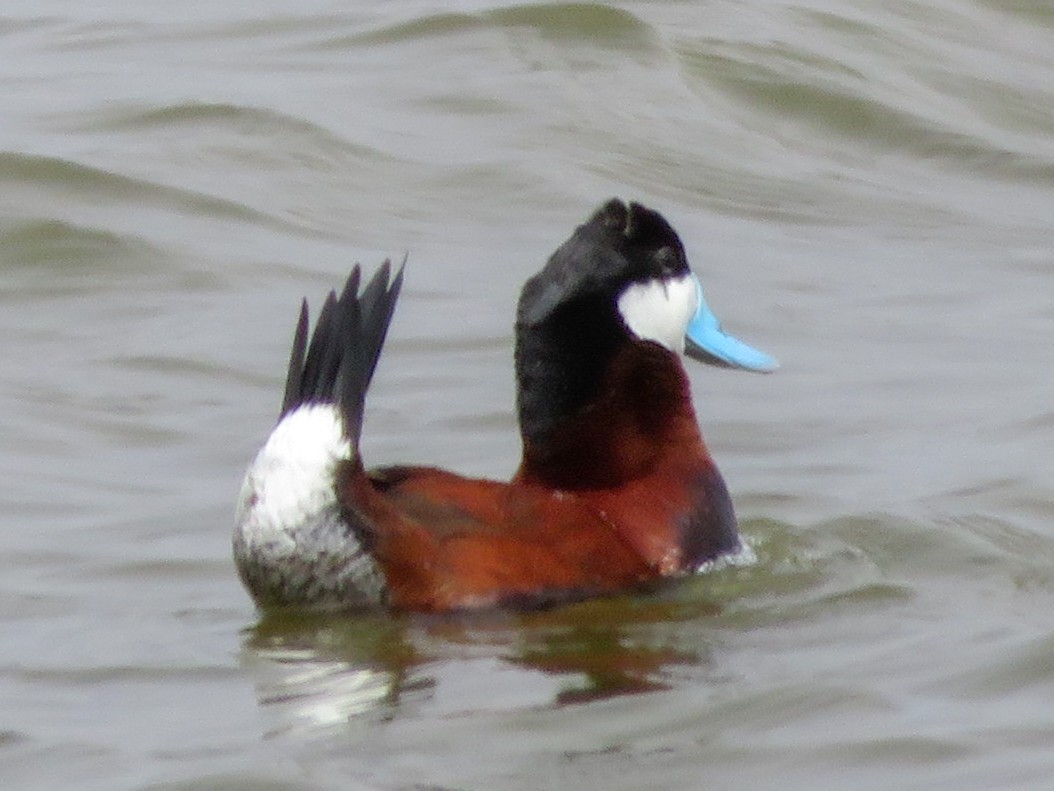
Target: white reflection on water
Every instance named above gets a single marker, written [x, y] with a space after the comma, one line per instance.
[304, 693]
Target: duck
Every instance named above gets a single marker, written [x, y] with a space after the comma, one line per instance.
[615, 491]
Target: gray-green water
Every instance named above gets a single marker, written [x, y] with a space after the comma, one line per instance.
[867, 190]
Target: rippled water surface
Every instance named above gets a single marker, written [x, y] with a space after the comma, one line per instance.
[867, 190]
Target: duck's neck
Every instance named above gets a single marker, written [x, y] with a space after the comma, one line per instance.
[598, 408]
[561, 363]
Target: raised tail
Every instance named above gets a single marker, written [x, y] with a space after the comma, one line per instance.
[337, 365]
[294, 542]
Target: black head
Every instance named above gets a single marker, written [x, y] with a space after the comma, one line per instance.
[622, 278]
[620, 245]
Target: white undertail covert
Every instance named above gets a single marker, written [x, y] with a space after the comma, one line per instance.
[292, 477]
[293, 543]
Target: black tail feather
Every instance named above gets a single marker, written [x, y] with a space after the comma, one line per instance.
[375, 307]
[322, 354]
[338, 364]
[296, 363]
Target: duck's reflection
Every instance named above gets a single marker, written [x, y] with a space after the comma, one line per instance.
[311, 693]
[321, 672]
[317, 672]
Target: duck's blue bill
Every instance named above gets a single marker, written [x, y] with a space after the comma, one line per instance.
[704, 340]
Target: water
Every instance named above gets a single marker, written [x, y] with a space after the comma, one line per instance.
[866, 191]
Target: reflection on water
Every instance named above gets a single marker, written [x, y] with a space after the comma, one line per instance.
[307, 692]
[314, 673]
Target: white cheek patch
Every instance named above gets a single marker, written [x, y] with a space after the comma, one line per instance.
[659, 310]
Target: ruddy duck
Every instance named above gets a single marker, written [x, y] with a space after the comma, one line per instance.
[615, 488]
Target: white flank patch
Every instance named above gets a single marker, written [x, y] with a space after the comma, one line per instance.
[659, 310]
[292, 477]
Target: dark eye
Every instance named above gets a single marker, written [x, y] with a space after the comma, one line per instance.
[665, 261]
